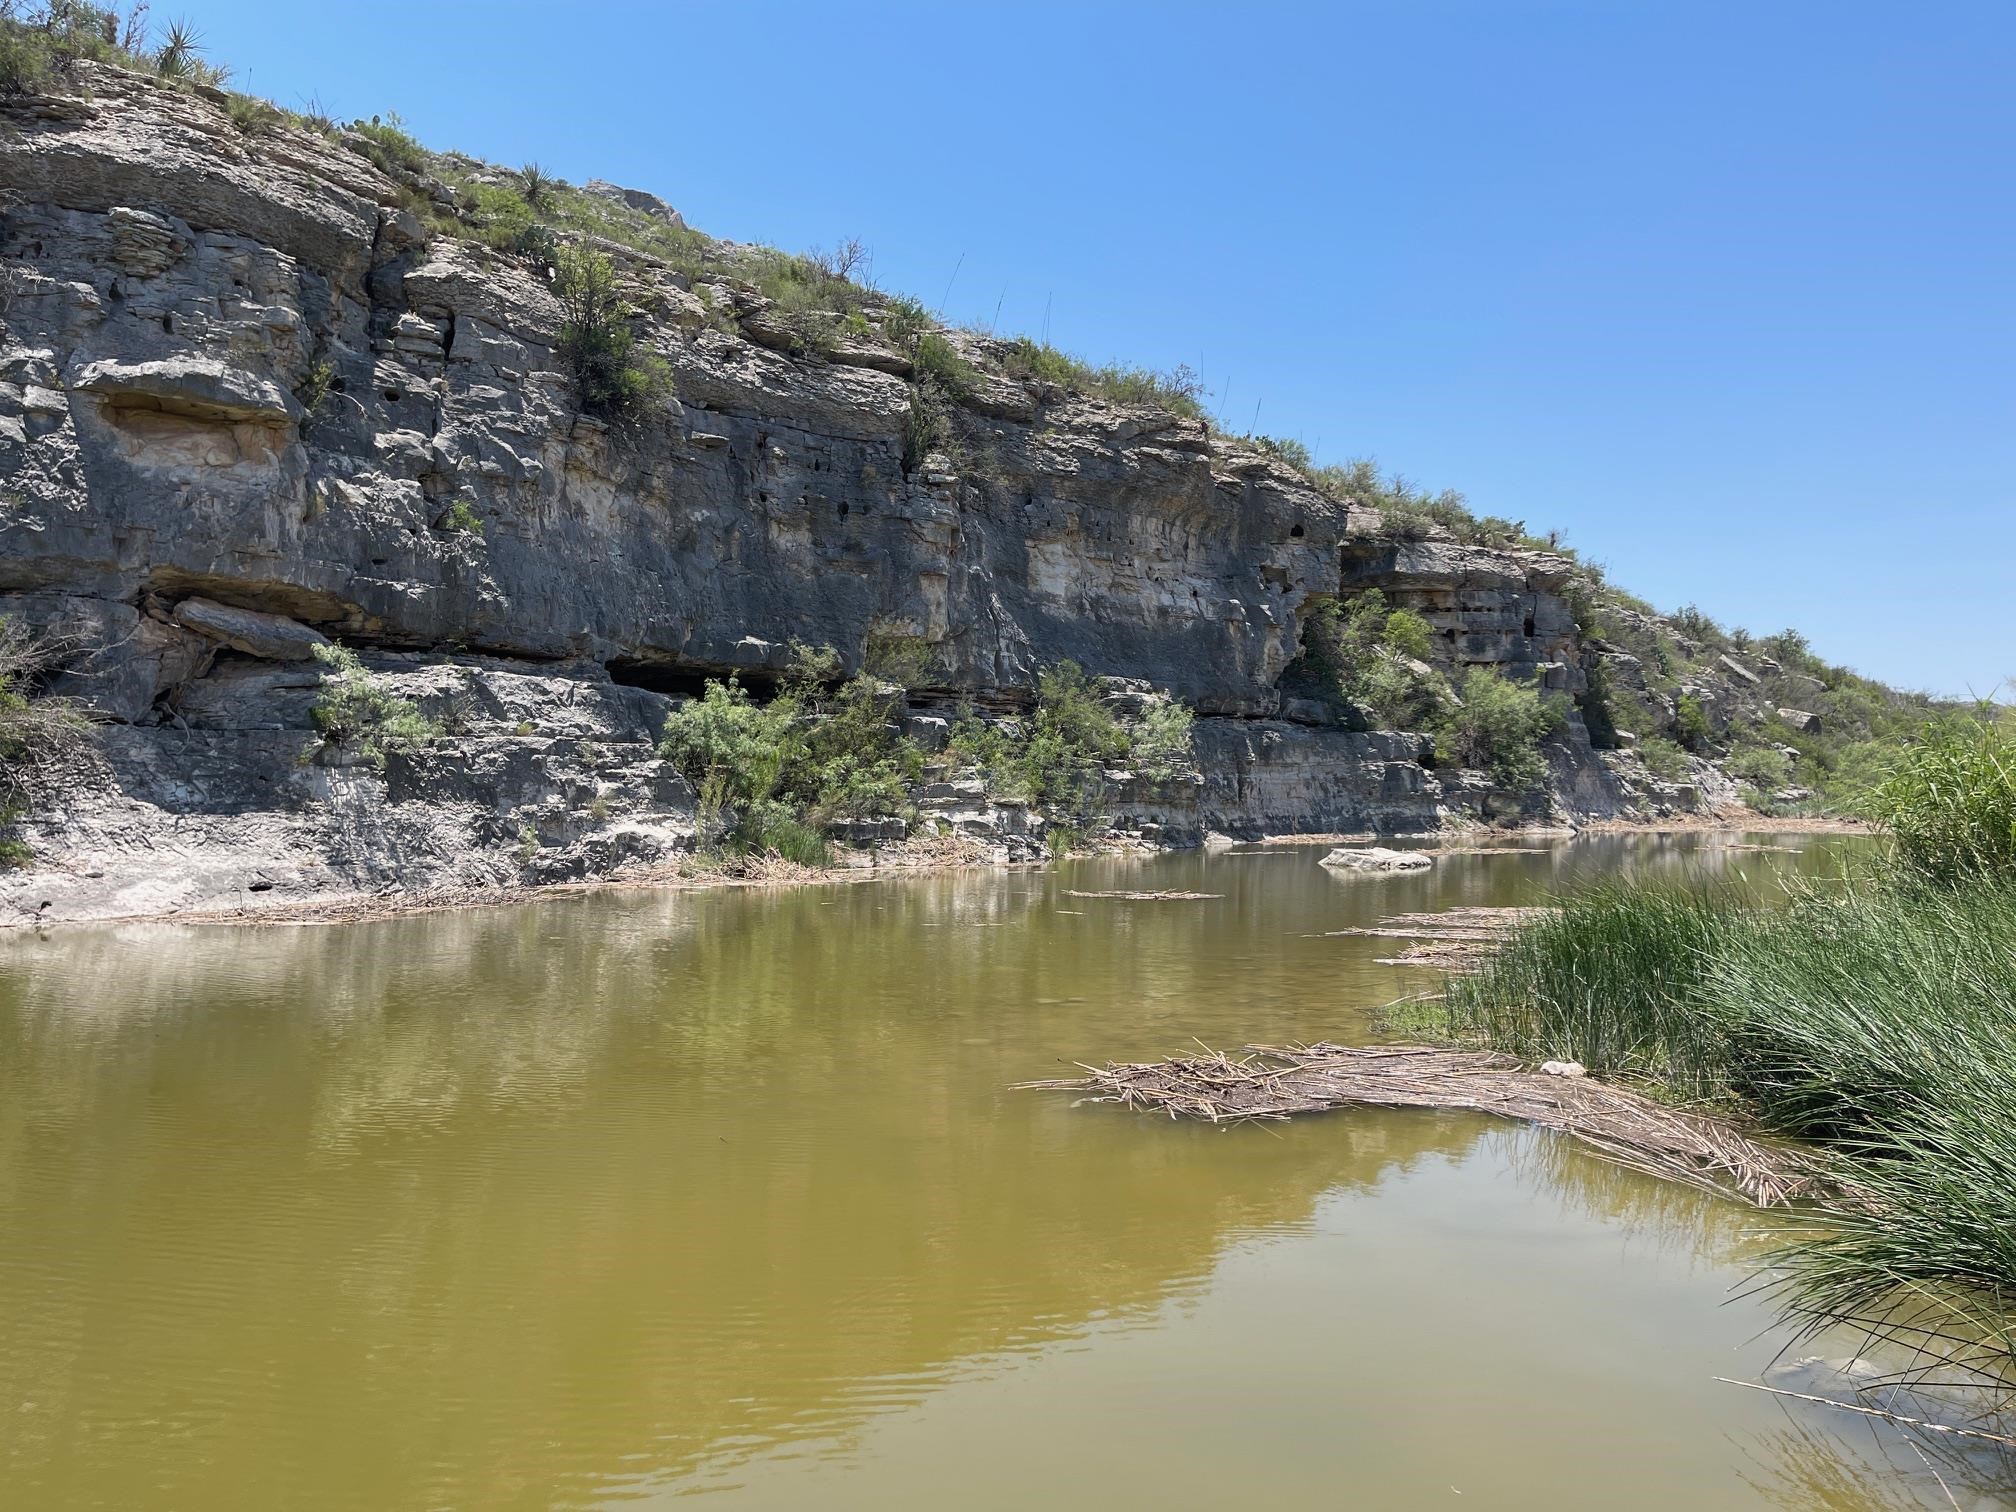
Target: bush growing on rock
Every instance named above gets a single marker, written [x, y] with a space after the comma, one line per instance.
[1375, 657]
[1664, 760]
[825, 748]
[356, 708]
[43, 741]
[1690, 722]
[613, 379]
[1498, 728]
[1056, 758]
[1162, 744]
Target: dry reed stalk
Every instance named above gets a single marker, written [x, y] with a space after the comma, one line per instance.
[1278, 1081]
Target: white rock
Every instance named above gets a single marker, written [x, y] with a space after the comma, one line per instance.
[1376, 858]
[1564, 1068]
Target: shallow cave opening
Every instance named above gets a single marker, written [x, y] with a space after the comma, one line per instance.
[1296, 532]
[686, 681]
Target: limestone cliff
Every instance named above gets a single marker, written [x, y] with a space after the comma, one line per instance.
[249, 401]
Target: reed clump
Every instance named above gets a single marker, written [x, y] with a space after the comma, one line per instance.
[1875, 1018]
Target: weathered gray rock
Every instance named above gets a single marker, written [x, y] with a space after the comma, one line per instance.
[636, 199]
[1800, 719]
[181, 291]
[1376, 858]
[272, 636]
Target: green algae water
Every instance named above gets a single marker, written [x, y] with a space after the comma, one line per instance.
[632, 1196]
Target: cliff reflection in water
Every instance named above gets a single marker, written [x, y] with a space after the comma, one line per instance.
[538, 1205]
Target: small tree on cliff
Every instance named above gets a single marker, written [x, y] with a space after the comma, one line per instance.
[613, 379]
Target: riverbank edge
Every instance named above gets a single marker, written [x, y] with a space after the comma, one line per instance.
[926, 856]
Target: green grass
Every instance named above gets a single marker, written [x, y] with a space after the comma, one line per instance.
[1951, 807]
[1614, 981]
[1875, 1017]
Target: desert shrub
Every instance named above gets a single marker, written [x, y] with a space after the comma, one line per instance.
[825, 748]
[1498, 728]
[909, 661]
[385, 142]
[253, 116]
[730, 748]
[1056, 758]
[1161, 742]
[1179, 390]
[1664, 760]
[460, 518]
[41, 44]
[1034, 361]
[25, 66]
[613, 378]
[940, 380]
[355, 707]
[981, 743]
[1690, 722]
[1367, 654]
[44, 741]
[1407, 634]
[1288, 450]
[315, 384]
[1762, 767]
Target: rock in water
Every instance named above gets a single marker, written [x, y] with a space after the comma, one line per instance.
[1377, 858]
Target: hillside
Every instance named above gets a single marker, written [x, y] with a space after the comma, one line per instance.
[384, 511]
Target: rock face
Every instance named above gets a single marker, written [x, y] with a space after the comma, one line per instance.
[248, 405]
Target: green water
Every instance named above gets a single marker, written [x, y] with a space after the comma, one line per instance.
[627, 1196]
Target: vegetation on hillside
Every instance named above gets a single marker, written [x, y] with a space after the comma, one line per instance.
[1365, 656]
[1875, 1017]
[42, 739]
[610, 263]
[353, 707]
[773, 777]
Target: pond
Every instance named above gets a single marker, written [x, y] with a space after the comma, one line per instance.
[624, 1196]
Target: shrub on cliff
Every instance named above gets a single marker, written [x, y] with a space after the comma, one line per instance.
[354, 707]
[1056, 758]
[613, 378]
[1498, 728]
[825, 748]
[1368, 654]
[43, 740]
[1161, 740]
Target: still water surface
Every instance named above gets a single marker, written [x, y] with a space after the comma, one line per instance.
[622, 1197]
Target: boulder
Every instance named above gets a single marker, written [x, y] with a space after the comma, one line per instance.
[1737, 670]
[1377, 858]
[274, 637]
[1801, 719]
[636, 199]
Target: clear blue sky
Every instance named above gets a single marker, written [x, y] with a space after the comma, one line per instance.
[1724, 292]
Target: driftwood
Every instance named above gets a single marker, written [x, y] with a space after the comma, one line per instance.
[1276, 1081]
[1456, 940]
[1168, 896]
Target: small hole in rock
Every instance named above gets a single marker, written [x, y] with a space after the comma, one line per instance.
[1296, 532]
[843, 511]
[394, 395]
